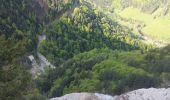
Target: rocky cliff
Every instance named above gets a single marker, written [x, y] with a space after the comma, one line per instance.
[141, 94]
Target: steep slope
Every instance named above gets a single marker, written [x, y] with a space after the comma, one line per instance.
[93, 49]
[109, 72]
[151, 16]
[20, 23]
[84, 29]
[80, 45]
[148, 6]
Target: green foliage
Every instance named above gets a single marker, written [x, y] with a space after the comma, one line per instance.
[155, 26]
[91, 52]
[34, 95]
[19, 25]
[111, 72]
[76, 11]
[14, 82]
[152, 15]
[85, 30]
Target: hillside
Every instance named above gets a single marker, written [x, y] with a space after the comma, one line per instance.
[19, 23]
[84, 29]
[49, 48]
[109, 72]
[148, 18]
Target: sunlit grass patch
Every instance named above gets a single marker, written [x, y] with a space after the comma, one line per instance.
[157, 28]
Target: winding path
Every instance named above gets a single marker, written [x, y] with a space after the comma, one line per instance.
[37, 68]
[43, 60]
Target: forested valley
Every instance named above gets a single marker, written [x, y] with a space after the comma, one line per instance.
[92, 45]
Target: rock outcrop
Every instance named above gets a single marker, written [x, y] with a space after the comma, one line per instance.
[146, 94]
[85, 96]
[141, 94]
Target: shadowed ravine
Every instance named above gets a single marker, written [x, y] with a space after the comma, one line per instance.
[43, 61]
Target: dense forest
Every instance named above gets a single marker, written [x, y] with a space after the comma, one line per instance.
[90, 49]
[19, 26]
[108, 71]
[85, 29]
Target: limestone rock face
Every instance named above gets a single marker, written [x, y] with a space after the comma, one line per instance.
[84, 96]
[147, 94]
[141, 94]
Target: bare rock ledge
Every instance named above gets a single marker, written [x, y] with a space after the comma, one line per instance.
[140, 94]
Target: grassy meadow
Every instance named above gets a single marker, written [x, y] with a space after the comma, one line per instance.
[155, 27]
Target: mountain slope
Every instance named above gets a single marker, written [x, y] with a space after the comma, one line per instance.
[84, 29]
[96, 46]
[80, 45]
[20, 22]
[109, 72]
[151, 16]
